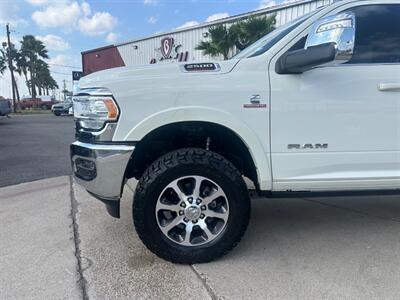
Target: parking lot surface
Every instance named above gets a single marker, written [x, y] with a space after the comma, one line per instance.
[33, 147]
[69, 248]
[58, 242]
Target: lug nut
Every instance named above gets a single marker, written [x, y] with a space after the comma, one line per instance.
[198, 201]
[203, 207]
[190, 200]
[202, 216]
[183, 204]
[186, 220]
[194, 221]
[181, 212]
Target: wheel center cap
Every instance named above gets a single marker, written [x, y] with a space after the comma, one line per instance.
[192, 212]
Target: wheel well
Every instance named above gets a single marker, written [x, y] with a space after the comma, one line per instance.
[209, 136]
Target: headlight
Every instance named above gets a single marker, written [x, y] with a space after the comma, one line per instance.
[93, 111]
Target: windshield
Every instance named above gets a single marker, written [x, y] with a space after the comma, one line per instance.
[266, 42]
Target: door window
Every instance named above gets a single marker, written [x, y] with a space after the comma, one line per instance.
[377, 34]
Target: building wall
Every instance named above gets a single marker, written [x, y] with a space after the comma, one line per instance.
[143, 51]
[101, 59]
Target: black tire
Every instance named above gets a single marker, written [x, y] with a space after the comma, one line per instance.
[57, 113]
[187, 162]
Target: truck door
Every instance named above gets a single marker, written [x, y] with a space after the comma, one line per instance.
[337, 126]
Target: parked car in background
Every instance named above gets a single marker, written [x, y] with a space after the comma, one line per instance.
[5, 107]
[44, 102]
[64, 107]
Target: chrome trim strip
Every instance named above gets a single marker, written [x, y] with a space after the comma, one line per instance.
[101, 147]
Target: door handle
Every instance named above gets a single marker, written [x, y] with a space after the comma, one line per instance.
[389, 87]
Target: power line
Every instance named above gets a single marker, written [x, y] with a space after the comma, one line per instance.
[65, 66]
[60, 73]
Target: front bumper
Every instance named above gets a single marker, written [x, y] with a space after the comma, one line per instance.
[100, 168]
[60, 109]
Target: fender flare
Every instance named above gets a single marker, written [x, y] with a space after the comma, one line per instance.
[219, 117]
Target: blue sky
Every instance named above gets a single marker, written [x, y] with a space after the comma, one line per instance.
[68, 27]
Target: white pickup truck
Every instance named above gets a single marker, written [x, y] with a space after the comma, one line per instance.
[313, 107]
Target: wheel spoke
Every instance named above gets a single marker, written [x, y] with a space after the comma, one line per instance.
[177, 190]
[212, 197]
[171, 225]
[197, 185]
[172, 207]
[207, 231]
[214, 214]
[189, 229]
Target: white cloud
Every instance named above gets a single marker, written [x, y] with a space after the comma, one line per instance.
[100, 23]
[150, 2]
[43, 2]
[86, 9]
[266, 4]
[9, 14]
[188, 24]
[54, 42]
[112, 37]
[270, 3]
[72, 15]
[218, 16]
[152, 20]
[59, 15]
[58, 61]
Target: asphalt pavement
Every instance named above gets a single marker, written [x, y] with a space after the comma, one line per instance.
[34, 147]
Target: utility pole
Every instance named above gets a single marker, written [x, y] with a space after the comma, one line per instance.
[11, 67]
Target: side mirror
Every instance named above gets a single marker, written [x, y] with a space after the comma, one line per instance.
[336, 31]
[299, 61]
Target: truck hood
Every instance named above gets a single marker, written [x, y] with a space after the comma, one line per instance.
[156, 72]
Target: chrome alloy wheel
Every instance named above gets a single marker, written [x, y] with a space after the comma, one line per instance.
[192, 211]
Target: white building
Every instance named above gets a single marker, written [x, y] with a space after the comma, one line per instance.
[180, 44]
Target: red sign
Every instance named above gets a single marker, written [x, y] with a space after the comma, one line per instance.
[166, 47]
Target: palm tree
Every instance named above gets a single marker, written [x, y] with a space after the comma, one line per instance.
[3, 62]
[32, 50]
[221, 42]
[22, 69]
[42, 74]
[224, 38]
[251, 30]
[51, 85]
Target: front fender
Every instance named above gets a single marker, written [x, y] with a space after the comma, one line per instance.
[206, 114]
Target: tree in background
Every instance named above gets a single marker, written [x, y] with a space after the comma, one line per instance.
[32, 50]
[251, 30]
[22, 69]
[3, 62]
[28, 61]
[224, 39]
[13, 52]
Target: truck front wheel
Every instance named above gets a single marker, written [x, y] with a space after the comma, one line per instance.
[191, 206]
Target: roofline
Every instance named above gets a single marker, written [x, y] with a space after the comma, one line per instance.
[98, 49]
[219, 21]
[208, 24]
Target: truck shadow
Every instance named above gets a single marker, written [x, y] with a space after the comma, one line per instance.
[299, 225]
